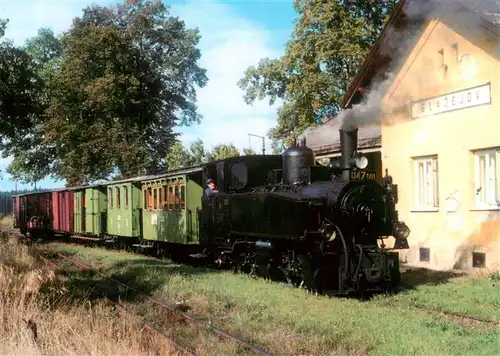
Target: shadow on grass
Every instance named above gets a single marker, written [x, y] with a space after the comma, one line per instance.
[148, 276]
[412, 277]
[130, 279]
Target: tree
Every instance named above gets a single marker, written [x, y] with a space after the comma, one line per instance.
[20, 91]
[45, 50]
[127, 77]
[178, 156]
[3, 26]
[33, 158]
[198, 153]
[249, 152]
[330, 41]
[224, 150]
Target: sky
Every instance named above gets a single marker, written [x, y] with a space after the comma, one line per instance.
[234, 35]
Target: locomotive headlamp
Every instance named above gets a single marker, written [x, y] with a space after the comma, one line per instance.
[401, 233]
[402, 230]
[361, 161]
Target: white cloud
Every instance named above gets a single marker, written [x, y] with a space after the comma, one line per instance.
[26, 17]
[5, 161]
[229, 45]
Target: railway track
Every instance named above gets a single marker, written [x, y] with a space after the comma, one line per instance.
[170, 309]
[452, 317]
[462, 319]
[122, 308]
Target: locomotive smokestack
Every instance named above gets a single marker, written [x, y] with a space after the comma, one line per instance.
[348, 146]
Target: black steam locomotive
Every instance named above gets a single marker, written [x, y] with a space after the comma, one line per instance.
[281, 217]
[310, 225]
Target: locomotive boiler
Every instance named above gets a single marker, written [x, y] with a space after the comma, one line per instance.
[312, 225]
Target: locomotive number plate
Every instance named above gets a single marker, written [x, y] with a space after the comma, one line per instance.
[360, 175]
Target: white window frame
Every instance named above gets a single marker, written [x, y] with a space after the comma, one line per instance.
[426, 183]
[487, 178]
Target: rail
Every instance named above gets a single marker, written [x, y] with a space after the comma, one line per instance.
[218, 331]
[120, 306]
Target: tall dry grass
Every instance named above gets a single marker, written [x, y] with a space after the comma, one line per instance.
[6, 222]
[38, 317]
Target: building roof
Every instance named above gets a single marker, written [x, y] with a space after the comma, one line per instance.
[488, 10]
[326, 138]
[406, 19]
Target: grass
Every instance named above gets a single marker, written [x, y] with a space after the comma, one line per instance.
[40, 317]
[473, 295]
[6, 222]
[288, 321]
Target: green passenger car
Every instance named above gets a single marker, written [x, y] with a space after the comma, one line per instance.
[170, 206]
[123, 200]
[90, 210]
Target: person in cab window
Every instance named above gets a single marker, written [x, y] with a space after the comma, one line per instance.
[211, 188]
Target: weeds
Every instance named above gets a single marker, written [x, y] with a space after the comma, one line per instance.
[38, 317]
[495, 276]
[288, 321]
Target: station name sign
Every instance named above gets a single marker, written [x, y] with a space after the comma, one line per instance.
[462, 99]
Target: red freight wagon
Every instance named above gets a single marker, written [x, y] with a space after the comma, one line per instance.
[62, 211]
[16, 207]
[33, 212]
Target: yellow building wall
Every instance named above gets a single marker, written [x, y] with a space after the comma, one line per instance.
[455, 229]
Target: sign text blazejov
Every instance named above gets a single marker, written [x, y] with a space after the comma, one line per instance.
[461, 99]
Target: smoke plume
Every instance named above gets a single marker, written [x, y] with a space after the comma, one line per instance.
[397, 42]
[369, 111]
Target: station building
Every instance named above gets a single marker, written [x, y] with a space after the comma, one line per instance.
[325, 142]
[438, 66]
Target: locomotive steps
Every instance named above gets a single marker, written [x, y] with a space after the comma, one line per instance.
[288, 321]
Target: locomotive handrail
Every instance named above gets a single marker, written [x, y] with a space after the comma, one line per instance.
[344, 244]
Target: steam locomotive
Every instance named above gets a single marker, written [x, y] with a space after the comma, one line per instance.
[311, 225]
[278, 216]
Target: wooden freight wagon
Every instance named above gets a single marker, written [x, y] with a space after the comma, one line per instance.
[62, 211]
[123, 208]
[16, 211]
[90, 210]
[33, 212]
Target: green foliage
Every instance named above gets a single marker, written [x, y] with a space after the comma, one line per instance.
[223, 150]
[127, 78]
[3, 25]
[249, 152]
[198, 153]
[34, 159]
[20, 92]
[327, 48]
[101, 100]
[179, 156]
[45, 51]
[495, 276]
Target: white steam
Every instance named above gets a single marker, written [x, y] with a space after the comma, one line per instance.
[369, 111]
[397, 41]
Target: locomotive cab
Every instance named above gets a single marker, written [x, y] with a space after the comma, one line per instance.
[241, 174]
[286, 218]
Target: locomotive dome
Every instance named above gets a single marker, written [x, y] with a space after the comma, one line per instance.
[296, 163]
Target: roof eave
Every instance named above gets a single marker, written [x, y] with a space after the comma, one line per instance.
[356, 83]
